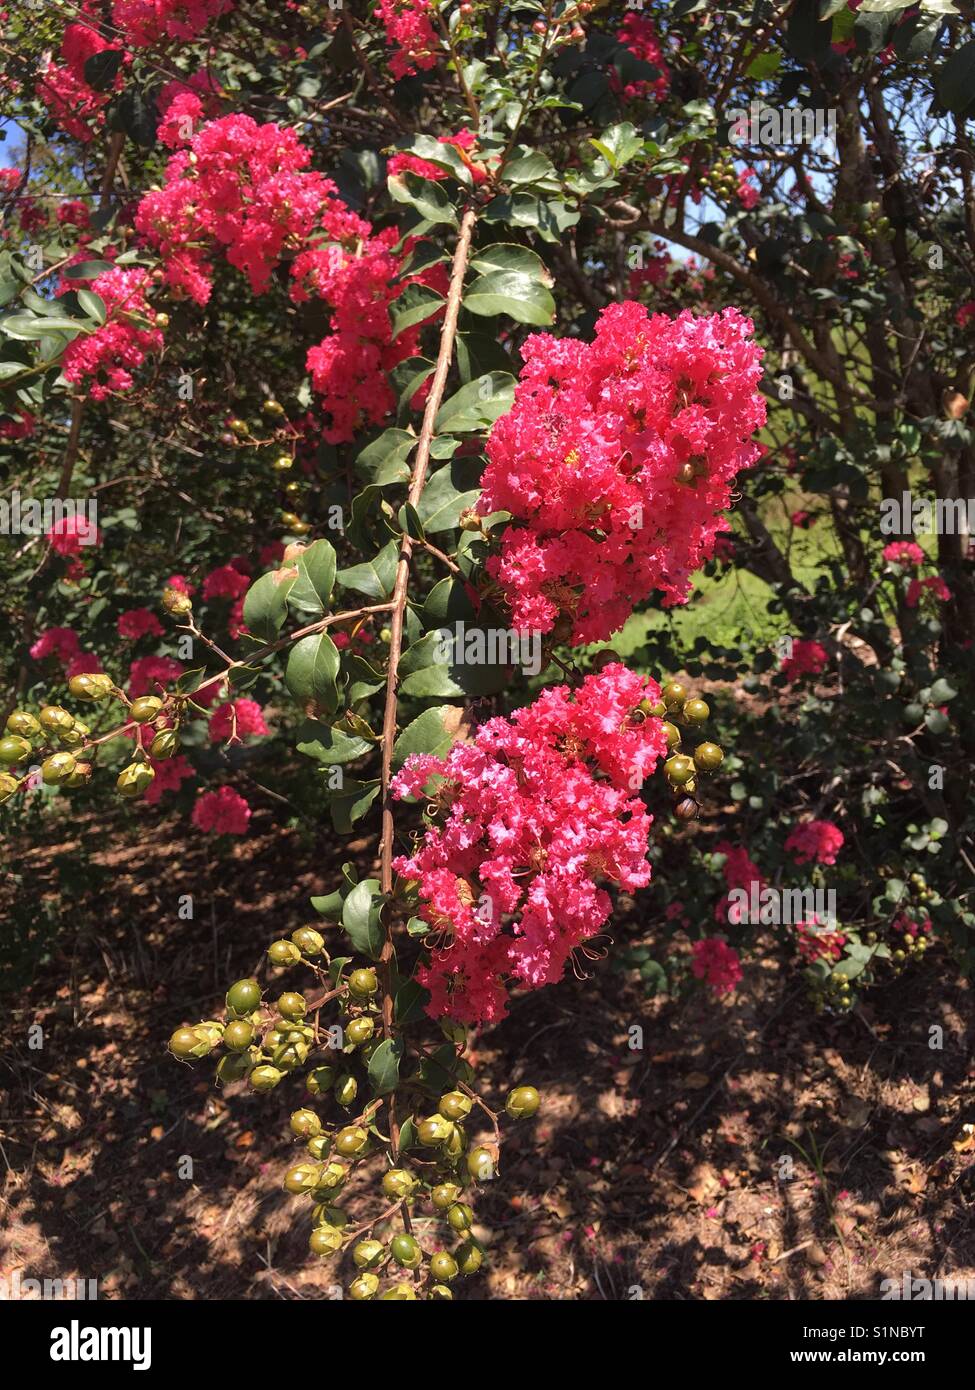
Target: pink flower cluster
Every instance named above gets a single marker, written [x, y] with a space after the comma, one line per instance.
[535, 810]
[171, 773]
[241, 717]
[820, 840]
[145, 22]
[807, 659]
[70, 533]
[63, 643]
[814, 943]
[148, 673]
[934, 585]
[638, 35]
[462, 142]
[77, 107]
[717, 963]
[240, 186]
[107, 357]
[137, 623]
[410, 32]
[904, 553]
[223, 812]
[740, 871]
[615, 462]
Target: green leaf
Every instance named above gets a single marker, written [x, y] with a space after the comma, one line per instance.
[362, 917]
[409, 520]
[429, 199]
[415, 305]
[138, 115]
[956, 79]
[329, 745]
[311, 591]
[266, 606]
[328, 904]
[619, 144]
[93, 305]
[384, 461]
[376, 577]
[528, 168]
[426, 734]
[451, 490]
[86, 270]
[313, 666]
[39, 326]
[477, 404]
[351, 803]
[511, 292]
[384, 1066]
[409, 1004]
[442, 155]
[101, 69]
[507, 255]
[942, 691]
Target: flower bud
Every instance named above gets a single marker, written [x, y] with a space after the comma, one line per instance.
[165, 744]
[368, 1254]
[283, 953]
[177, 603]
[522, 1102]
[133, 780]
[57, 768]
[14, 749]
[22, 723]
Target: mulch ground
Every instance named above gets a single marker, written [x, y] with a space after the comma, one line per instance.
[748, 1150]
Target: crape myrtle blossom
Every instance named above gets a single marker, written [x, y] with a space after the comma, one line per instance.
[717, 963]
[820, 840]
[222, 812]
[535, 809]
[615, 462]
[104, 359]
[806, 659]
[145, 22]
[411, 34]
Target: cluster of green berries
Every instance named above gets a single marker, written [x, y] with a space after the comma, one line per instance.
[683, 712]
[263, 1043]
[722, 179]
[65, 744]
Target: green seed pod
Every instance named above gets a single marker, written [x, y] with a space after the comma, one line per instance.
[445, 1195]
[81, 776]
[265, 1078]
[14, 749]
[399, 1293]
[363, 983]
[243, 997]
[308, 941]
[319, 1081]
[238, 1035]
[8, 785]
[469, 1257]
[233, 1067]
[365, 1287]
[319, 1147]
[359, 1031]
[351, 1141]
[456, 1141]
[176, 602]
[398, 1183]
[522, 1102]
[184, 1043]
[708, 757]
[283, 953]
[93, 686]
[75, 736]
[346, 1089]
[23, 724]
[333, 1176]
[443, 1267]
[679, 769]
[440, 1292]
[165, 744]
[696, 711]
[133, 780]
[291, 1005]
[145, 708]
[303, 1177]
[673, 735]
[481, 1164]
[57, 768]
[305, 1124]
[674, 694]
[368, 1254]
[433, 1131]
[461, 1217]
[406, 1251]
[54, 719]
[325, 1240]
[455, 1105]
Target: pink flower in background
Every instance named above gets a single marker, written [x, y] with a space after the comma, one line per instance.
[105, 359]
[84, 664]
[717, 963]
[63, 643]
[903, 553]
[637, 33]
[934, 584]
[807, 659]
[171, 773]
[70, 533]
[410, 32]
[223, 812]
[146, 22]
[249, 720]
[818, 840]
[138, 622]
[148, 672]
[225, 582]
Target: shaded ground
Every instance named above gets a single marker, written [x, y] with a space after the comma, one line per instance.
[686, 1169]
